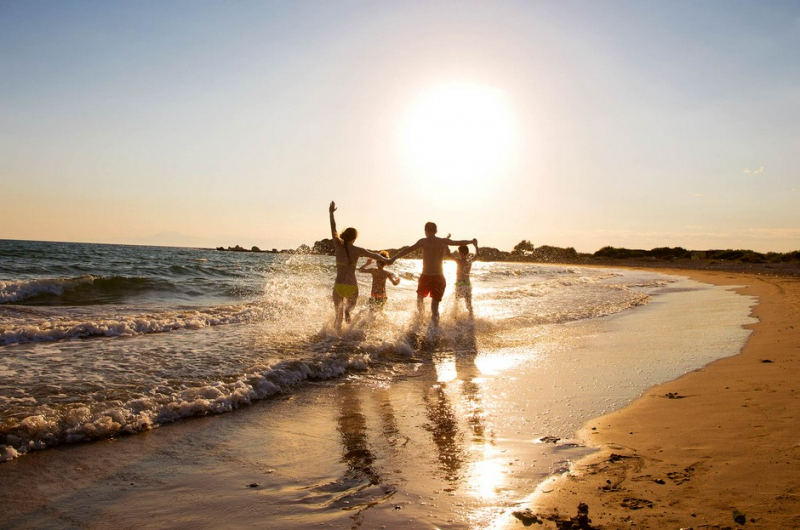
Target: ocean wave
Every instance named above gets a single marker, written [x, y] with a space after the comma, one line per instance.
[64, 328]
[17, 291]
[628, 299]
[536, 271]
[544, 287]
[200, 267]
[78, 424]
[82, 290]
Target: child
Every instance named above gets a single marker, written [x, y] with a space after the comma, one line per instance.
[463, 268]
[377, 298]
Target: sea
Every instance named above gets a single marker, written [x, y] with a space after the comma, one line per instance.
[106, 342]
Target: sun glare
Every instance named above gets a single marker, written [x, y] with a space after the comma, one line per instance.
[459, 134]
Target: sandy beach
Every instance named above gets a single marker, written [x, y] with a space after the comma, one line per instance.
[713, 449]
[418, 265]
[717, 448]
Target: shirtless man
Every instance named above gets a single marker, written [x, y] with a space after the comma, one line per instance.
[431, 281]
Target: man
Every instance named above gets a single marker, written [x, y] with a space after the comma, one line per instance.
[431, 281]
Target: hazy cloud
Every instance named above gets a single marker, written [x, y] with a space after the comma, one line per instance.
[753, 171]
[770, 233]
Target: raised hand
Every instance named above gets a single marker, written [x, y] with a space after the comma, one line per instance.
[332, 207]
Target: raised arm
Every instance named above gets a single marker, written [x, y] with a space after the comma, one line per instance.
[363, 268]
[369, 254]
[406, 251]
[331, 209]
[461, 242]
[475, 242]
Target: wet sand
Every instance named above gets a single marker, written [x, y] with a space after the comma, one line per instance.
[717, 448]
[407, 452]
[422, 449]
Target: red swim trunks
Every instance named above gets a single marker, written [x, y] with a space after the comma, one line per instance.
[432, 285]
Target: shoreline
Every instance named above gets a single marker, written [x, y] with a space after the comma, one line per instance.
[444, 444]
[716, 448]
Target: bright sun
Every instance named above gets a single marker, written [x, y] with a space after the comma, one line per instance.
[459, 134]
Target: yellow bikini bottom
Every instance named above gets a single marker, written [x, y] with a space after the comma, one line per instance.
[345, 290]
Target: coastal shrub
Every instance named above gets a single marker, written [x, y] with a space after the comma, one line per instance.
[523, 248]
[492, 254]
[670, 253]
[620, 253]
[741, 256]
[728, 255]
[605, 252]
[548, 253]
[749, 256]
[774, 257]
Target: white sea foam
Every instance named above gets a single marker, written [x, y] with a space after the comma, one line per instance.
[15, 331]
[82, 424]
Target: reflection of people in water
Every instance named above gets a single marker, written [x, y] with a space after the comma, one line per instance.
[442, 412]
[445, 432]
[389, 425]
[353, 428]
[466, 352]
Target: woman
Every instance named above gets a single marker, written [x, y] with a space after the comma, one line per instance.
[345, 290]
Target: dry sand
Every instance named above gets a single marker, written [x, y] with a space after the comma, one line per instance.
[717, 448]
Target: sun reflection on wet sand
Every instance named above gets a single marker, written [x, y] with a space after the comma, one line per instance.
[458, 412]
[487, 474]
[495, 362]
[446, 370]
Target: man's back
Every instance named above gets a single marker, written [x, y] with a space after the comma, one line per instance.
[433, 250]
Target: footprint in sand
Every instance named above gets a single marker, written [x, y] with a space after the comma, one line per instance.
[632, 503]
[679, 477]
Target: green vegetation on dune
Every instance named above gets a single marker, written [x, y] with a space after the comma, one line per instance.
[666, 253]
[527, 251]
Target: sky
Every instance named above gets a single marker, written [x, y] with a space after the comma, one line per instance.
[572, 123]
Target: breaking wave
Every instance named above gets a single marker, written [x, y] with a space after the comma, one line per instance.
[81, 423]
[83, 290]
[63, 328]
